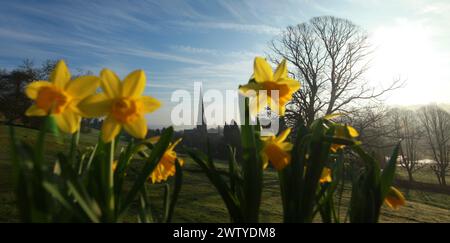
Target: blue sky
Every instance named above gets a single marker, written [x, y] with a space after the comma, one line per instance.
[179, 42]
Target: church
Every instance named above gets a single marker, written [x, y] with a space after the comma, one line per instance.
[198, 136]
[218, 137]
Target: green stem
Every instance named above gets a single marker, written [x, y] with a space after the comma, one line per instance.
[110, 183]
[74, 145]
[40, 145]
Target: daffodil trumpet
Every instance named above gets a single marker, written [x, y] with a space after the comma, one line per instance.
[166, 166]
[394, 199]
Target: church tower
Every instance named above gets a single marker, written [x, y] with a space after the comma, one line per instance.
[201, 119]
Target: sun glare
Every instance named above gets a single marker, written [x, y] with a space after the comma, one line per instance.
[406, 51]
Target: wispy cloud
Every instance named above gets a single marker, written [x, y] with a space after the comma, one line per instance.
[194, 50]
[241, 54]
[85, 16]
[436, 8]
[143, 52]
[21, 36]
[98, 47]
[253, 28]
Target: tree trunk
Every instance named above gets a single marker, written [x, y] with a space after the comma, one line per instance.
[443, 181]
[410, 176]
[438, 176]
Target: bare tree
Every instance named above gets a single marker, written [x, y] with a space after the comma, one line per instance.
[13, 101]
[436, 123]
[406, 127]
[331, 57]
[370, 121]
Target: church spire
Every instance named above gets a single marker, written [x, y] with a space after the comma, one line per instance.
[201, 119]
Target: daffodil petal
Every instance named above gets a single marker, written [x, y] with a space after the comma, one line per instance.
[110, 83]
[352, 131]
[281, 71]
[83, 86]
[110, 129]
[68, 121]
[332, 116]
[265, 160]
[293, 85]
[33, 88]
[33, 110]
[137, 128]
[150, 104]
[277, 105]
[394, 198]
[267, 138]
[181, 161]
[250, 89]
[60, 75]
[154, 139]
[172, 146]
[281, 110]
[95, 105]
[134, 84]
[256, 105]
[326, 175]
[283, 135]
[73, 105]
[262, 70]
[287, 146]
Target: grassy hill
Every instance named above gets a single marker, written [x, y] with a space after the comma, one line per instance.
[199, 201]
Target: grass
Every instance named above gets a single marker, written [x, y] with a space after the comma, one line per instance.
[199, 201]
[424, 174]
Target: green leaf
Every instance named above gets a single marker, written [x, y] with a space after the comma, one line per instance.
[91, 158]
[228, 198]
[252, 170]
[145, 215]
[366, 201]
[53, 190]
[233, 171]
[78, 190]
[87, 208]
[292, 177]
[387, 177]
[319, 151]
[149, 166]
[176, 191]
[166, 200]
[22, 189]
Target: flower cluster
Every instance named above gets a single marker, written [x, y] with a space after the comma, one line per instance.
[275, 148]
[67, 101]
[121, 104]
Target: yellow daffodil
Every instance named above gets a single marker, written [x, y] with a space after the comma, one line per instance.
[114, 165]
[394, 198]
[326, 175]
[264, 79]
[343, 131]
[60, 96]
[166, 166]
[276, 150]
[122, 103]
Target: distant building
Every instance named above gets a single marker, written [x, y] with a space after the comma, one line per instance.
[200, 136]
[197, 137]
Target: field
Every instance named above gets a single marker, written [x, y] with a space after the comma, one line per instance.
[199, 202]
